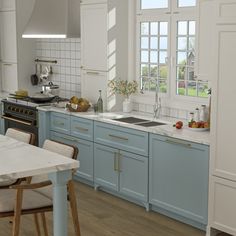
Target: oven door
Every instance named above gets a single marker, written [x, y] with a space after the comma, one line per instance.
[27, 126]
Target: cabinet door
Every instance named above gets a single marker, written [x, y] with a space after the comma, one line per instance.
[178, 178]
[60, 123]
[9, 77]
[134, 175]
[85, 155]
[94, 37]
[223, 128]
[8, 36]
[92, 82]
[1, 121]
[7, 5]
[105, 167]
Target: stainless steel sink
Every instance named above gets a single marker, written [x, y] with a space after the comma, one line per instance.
[138, 121]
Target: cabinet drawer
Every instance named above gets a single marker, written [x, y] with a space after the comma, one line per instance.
[122, 138]
[82, 128]
[60, 123]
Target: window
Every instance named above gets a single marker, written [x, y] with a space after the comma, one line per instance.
[167, 48]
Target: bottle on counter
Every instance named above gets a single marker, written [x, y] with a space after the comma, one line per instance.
[190, 119]
[197, 115]
[203, 113]
[100, 102]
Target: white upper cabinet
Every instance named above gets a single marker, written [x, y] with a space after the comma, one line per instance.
[8, 36]
[9, 77]
[94, 37]
[7, 5]
[92, 1]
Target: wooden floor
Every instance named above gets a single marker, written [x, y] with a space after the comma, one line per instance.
[102, 214]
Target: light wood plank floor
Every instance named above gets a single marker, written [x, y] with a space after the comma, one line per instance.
[102, 214]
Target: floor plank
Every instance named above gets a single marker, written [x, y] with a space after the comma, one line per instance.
[101, 214]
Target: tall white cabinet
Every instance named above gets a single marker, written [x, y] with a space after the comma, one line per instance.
[17, 54]
[222, 192]
[104, 47]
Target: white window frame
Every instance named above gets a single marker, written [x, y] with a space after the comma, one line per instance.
[172, 14]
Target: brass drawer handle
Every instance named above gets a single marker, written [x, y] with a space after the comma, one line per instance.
[118, 137]
[187, 145]
[16, 120]
[92, 73]
[7, 64]
[115, 162]
[81, 129]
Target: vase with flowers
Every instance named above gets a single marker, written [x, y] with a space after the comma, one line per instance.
[126, 89]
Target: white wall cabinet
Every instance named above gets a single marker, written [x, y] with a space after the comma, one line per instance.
[17, 54]
[104, 47]
[222, 210]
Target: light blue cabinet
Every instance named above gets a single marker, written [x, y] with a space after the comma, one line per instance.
[60, 123]
[44, 126]
[121, 171]
[178, 180]
[85, 155]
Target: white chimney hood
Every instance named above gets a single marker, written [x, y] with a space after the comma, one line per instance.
[54, 19]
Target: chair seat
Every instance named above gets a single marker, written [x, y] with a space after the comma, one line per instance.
[31, 200]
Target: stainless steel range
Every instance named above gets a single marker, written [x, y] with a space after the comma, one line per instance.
[22, 114]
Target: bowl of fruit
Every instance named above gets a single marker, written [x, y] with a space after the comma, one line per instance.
[199, 125]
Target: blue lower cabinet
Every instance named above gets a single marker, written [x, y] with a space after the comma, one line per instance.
[178, 179]
[85, 156]
[43, 125]
[106, 167]
[124, 172]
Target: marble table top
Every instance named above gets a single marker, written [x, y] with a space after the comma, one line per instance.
[19, 160]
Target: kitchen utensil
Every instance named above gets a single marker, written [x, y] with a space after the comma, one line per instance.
[34, 78]
[37, 97]
[51, 88]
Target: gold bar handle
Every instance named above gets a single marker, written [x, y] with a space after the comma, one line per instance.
[81, 129]
[92, 73]
[16, 120]
[7, 64]
[118, 137]
[115, 162]
[175, 142]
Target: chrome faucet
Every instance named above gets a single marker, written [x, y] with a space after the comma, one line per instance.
[157, 104]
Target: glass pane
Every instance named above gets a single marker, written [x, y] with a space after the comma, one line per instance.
[192, 28]
[145, 28]
[163, 28]
[163, 72]
[162, 57]
[151, 4]
[191, 43]
[163, 43]
[145, 83]
[153, 56]
[180, 87]
[182, 28]
[181, 73]
[154, 43]
[192, 89]
[191, 59]
[162, 86]
[144, 56]
[182, 43]
[144, 70]
[181, 58]
[203, 90]
[186, 3]
[153, 85]
[154, 28]
[153, 71]
[191, 74]
[144, 43]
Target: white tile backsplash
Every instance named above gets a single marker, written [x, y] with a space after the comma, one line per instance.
[66, 73]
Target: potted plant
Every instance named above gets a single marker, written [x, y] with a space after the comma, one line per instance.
[124, 88]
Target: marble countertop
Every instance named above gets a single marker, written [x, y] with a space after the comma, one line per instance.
[22, 160]
[168, 130]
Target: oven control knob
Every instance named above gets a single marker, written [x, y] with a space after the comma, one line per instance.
[31, 113]
[13, 109]
[21, 111]
[17, 109]
[9, 108]
[26, 112]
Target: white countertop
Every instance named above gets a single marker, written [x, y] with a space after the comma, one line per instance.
[168, 130]
[21, 160]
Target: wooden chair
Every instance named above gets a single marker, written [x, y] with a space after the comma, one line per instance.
[35, 197]
[20, 136]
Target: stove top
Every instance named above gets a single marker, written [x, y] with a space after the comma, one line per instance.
[28, 102]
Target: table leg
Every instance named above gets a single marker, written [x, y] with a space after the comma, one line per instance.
[59, 181]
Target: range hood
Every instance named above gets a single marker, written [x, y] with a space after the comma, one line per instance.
[54, 19]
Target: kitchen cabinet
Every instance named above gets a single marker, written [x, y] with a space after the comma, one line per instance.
[85, 155]
[121, 171]
[60, 123]
[17, 54]
[178, 179]
[1, 120]
[223, 164]
[104, 47]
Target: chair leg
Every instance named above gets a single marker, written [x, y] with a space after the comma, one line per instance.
[44, 224]
[36, 221]
[73, 206]
[17, 213]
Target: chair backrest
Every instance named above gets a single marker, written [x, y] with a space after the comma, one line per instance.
[20, 135]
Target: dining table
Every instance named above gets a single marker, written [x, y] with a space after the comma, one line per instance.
[19, 160]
